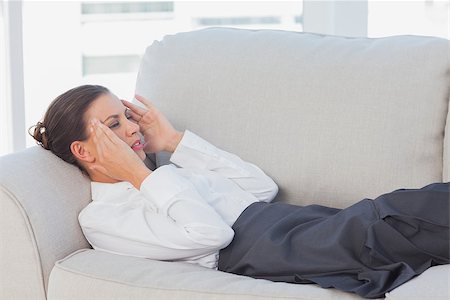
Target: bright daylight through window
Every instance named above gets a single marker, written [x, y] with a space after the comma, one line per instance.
[69, 43]
[104, 41]
[418, 17]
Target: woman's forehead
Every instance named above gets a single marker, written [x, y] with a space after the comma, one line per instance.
[104, 106]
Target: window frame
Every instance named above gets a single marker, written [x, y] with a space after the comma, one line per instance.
[13, 136]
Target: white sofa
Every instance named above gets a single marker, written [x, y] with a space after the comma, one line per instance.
[333, 120]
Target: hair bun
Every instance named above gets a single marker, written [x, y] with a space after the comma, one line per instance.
[38, 132]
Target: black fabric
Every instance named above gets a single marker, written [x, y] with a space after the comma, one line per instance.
[368, 248]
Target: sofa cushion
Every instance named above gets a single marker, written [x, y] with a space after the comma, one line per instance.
[91, 274]
[433, 284]
[331, 119]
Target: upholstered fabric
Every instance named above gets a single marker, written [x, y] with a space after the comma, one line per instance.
[433, 284]
[90, 274]
[19, 256]
[446, 171]
[40, 198]
[331, 119]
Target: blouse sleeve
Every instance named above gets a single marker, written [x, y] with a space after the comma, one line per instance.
[195, 152]
[168, 220]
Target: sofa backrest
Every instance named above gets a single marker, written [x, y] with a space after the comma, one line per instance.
[331, 119]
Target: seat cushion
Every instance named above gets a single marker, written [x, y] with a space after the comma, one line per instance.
[92, 274]
[433, 284]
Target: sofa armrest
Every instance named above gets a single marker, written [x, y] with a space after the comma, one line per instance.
[40, 198]
[434, 284]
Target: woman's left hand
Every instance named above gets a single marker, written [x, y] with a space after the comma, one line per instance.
[158, 133]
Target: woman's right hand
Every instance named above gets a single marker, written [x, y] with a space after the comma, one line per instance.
[114, 158]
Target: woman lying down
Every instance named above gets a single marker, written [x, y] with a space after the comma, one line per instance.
[212, 208]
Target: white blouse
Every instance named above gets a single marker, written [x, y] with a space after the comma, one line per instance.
[182, 213]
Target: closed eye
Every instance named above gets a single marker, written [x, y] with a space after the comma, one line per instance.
[114, 125]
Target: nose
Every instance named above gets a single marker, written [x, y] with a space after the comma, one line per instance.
[132, 127]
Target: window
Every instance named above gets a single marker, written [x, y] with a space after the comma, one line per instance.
[68, 43]
[230, 21]
[125, 7]
[110, 64]
[71, 43]
[420, 17]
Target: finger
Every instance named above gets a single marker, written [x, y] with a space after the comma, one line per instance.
[134, 108]
[99, 168]
[97, 145]
[144, 101]
[113, 140]
[103, 133]
[98, 138]
[91, 130]
[135, 116]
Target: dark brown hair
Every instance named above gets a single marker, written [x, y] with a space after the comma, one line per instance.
[64, 121]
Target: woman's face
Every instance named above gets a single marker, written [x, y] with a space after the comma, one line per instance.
[109, 110]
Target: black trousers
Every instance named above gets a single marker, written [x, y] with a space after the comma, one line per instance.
[368, 248]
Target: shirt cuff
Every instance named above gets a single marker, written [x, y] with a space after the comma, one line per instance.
[193, 152]
[162, 185]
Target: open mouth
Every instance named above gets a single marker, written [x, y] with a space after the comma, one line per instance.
[137, 146]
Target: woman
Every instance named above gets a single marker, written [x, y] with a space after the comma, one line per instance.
[213, 208]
